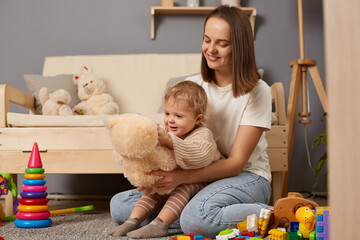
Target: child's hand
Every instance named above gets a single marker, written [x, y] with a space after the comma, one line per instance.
[164, 138]
[146, 190]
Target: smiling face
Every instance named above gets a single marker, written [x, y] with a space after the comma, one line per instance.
[216, 46]
[179, 118]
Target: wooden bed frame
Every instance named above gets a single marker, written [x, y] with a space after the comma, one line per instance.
[87, 150]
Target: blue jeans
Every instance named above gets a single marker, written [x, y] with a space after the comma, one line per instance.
[218, 206]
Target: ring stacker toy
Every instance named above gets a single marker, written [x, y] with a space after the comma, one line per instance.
[33, 211]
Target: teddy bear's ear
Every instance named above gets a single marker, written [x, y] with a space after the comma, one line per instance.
[111, 121]
[86, 69]
[76, 79]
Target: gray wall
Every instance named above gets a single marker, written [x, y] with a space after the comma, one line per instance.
[31, 30]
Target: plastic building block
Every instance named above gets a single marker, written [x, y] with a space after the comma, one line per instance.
[252, 223]
[294, 226]
[247, 234]
[227, 234]
[198, 237]
[242, 225]
[322, 223]
[263, 223]
[292, 236]
[190, 236]
[183, 238]
[276, 234]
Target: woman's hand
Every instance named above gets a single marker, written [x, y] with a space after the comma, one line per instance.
[164, 138]
[169, 180]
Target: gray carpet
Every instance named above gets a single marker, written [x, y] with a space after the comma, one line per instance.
[83, 225]
[68, 226]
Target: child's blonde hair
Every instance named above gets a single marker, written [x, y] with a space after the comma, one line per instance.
[193, 94]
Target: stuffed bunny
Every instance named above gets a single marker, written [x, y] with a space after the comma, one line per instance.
[93, 96]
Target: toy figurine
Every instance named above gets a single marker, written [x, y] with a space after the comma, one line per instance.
[306, 219]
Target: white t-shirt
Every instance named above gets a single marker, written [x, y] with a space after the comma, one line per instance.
[226, 113]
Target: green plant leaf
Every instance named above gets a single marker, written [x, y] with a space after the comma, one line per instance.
[320, 164]
[321, 139]
[323, 116]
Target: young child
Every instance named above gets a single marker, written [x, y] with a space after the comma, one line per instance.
[194, 147]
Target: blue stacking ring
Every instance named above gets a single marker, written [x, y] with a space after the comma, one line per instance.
[33, 194]
[33, 223]
[34, 182]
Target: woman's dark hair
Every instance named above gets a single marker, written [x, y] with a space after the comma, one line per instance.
[245, 72]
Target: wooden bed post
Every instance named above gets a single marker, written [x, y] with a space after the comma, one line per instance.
[299, 81]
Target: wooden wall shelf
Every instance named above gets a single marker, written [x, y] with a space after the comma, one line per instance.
[250, 11]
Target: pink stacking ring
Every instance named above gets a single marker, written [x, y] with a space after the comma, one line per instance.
[33, 215]
[33, 188]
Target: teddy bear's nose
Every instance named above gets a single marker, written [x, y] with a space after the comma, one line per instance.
[85, 84]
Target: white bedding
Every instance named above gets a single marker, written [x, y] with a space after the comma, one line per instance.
[32, 120]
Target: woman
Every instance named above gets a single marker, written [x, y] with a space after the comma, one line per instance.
[239, 113]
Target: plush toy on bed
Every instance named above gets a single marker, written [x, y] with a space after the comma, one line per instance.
[135, 147]
[56, 103]
[92, 93]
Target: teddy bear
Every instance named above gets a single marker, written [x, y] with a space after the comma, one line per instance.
[136, 148]
[56, 103]
[93, 95]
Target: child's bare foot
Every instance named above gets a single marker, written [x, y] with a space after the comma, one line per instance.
[128, 226]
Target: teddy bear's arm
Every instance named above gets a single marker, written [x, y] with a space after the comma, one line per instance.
[105, 98]
[65, 110]
[80, 108]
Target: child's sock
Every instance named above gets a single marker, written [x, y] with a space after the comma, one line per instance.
[128, 226]
[154, 229]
